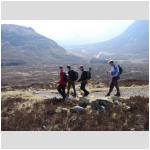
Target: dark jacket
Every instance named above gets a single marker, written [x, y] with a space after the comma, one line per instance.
[83, 76]
[70, 75]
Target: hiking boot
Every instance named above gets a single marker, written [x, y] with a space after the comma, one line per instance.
[64, 98]
[74, 95]
[107, 95]
[117, 94]
[86, 94]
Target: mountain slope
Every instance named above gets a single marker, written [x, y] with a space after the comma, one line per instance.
[23, 45]
[134, 41]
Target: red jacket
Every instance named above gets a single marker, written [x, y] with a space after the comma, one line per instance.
[62, 81]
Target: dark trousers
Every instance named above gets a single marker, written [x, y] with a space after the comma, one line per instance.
[71, 84]
[83, 87]
[61, 90]
[114, 83]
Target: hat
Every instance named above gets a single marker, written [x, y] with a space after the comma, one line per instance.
[81, 67]
[61, 67]
[110, 61]
[68, 66]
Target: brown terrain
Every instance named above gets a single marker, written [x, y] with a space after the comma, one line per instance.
[30, 101]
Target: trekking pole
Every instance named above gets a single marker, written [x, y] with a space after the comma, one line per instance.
[108, 78]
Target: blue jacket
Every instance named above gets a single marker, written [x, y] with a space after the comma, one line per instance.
[115, 71]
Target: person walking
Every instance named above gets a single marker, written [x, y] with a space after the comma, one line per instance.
[84, 80]
[115, 75]
[72, 77]
[62, 83]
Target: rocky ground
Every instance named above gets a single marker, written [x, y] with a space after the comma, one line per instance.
[43, 109]
[96, 92]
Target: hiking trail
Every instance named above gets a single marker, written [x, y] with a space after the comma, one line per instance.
[97, 93]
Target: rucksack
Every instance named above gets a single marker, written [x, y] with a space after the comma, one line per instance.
[120, 69]
[87, 75]
[74, 75]
[65, 77]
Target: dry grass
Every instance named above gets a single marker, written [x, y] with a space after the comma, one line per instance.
[54, 115]
[133, 82]
[24, 94]
[43, 76]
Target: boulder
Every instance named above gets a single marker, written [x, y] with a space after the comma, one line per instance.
[77, 109]
[83, 102]
[99, 105]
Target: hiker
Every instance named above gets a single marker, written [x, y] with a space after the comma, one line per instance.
[89, 73]
[84, 80]
[115, 74]
[62, 83]
[72, 77]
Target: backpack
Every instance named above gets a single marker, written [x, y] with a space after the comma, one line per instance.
[65, 77]
[120, 70]
[74, 75]
[87, 75]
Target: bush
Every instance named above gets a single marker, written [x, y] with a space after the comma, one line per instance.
[131, 114]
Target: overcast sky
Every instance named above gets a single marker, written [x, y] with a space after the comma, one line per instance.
[76, 32]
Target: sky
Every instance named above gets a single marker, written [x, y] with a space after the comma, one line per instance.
[75, 32]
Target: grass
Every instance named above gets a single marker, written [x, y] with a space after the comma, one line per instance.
[22, 110]
[19, 94]
[51, 114]
[16, 100]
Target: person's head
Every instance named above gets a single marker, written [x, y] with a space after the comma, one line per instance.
[81, 68]
[69, 67]
[111, 62]
[61, 68]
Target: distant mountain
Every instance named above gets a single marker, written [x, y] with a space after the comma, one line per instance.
[22, 45]
[132, 44]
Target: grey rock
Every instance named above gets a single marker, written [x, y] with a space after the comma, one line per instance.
[100, 105]
[77, 109]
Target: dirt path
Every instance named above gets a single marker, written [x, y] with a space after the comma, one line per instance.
[99, 92]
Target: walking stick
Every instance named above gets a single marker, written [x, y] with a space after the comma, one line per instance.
[108, 78]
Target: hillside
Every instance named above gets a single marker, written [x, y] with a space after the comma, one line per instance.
[133, 43]
[22, 45]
